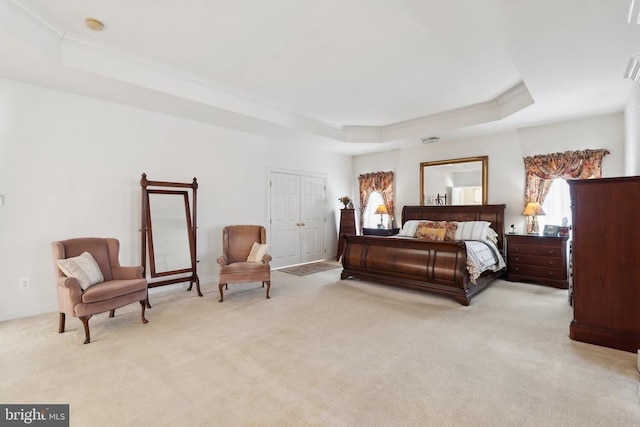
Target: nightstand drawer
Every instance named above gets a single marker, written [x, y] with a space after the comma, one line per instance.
[540, 272]
[542, 261]
[549, 251]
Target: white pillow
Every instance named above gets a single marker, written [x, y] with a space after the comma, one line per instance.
[409, 228]
[258, 250]
[492, 235]
[84, 268]
[472, 230]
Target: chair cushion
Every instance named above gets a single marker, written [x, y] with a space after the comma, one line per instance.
[244, 267]
[112, 289]
[84, 268]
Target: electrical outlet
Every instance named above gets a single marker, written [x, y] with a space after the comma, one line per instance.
[25, 283]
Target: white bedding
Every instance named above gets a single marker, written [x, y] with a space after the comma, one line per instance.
[482, 256]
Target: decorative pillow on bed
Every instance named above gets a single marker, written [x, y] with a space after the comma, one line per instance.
[492, 235]
[409, 228]
[451, 227]
[472, 230]
[427, 231]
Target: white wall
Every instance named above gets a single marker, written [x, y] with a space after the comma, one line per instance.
[70, 166]
[505, 151]
[632, 132]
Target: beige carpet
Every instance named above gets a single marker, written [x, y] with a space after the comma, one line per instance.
[329, 353]
[311, 268]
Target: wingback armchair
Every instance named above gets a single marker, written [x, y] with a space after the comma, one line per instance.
[119, 286]
[237, 244]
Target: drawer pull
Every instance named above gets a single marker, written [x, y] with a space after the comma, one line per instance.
[550, 262]
[517, 258]
[550, 251]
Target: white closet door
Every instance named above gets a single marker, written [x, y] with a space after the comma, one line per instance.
[285, 230]
[297, 218]
[313, 218]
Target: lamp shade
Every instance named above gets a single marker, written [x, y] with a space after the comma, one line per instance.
[533, 209]
[381, 210]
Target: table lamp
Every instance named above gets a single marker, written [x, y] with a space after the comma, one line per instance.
[533, 209]
[381, 210]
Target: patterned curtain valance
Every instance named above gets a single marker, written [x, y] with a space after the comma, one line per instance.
[580, 164]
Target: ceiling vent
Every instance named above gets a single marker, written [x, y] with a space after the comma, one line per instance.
[633, 17]
[430, 140]
[633, 69]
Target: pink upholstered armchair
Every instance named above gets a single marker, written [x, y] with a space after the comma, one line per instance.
[237, 244]
[87, 288]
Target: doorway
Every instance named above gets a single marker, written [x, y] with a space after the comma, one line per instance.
[296, 218]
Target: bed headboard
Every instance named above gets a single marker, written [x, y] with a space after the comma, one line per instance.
[492, 213]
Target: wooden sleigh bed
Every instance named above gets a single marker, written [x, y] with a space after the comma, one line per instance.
[435, 267]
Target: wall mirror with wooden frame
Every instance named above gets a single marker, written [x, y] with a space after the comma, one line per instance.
[168, 232]
[461, 181]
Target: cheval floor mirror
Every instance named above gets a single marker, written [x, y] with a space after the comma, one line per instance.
[168, 232]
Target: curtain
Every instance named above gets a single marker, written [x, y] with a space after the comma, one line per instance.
[382, 182]
[542, 169]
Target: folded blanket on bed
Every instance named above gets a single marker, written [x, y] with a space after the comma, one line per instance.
[481, 256]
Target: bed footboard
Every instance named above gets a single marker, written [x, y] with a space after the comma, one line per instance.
[437, 267]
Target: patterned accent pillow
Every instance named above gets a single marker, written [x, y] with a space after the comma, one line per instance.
[428, 231]
[409, 227]
[451, 227]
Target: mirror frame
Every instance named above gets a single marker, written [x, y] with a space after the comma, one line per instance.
[146, 231]
[187, 212]
[485, 174]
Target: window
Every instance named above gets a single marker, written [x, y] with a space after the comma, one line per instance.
[371, 220]
[557, 204]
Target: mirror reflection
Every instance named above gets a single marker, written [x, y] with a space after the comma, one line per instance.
[454, 182]
[169, 237]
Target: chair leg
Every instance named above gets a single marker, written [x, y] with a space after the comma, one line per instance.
[112, 313]
[220, 286]
[85, 322]
[143, 303]
[61, 320]
[268, 288]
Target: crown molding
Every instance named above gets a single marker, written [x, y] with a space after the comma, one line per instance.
[75, 51]
[81, 53]
[511, 101]
[22, 22]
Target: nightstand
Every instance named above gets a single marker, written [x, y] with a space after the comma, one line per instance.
[380, 231]
[537, 259]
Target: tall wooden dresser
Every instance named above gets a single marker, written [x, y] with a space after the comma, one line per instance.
[606, 262]
[347, 226]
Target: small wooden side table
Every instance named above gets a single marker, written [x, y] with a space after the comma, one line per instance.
[380, 231]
